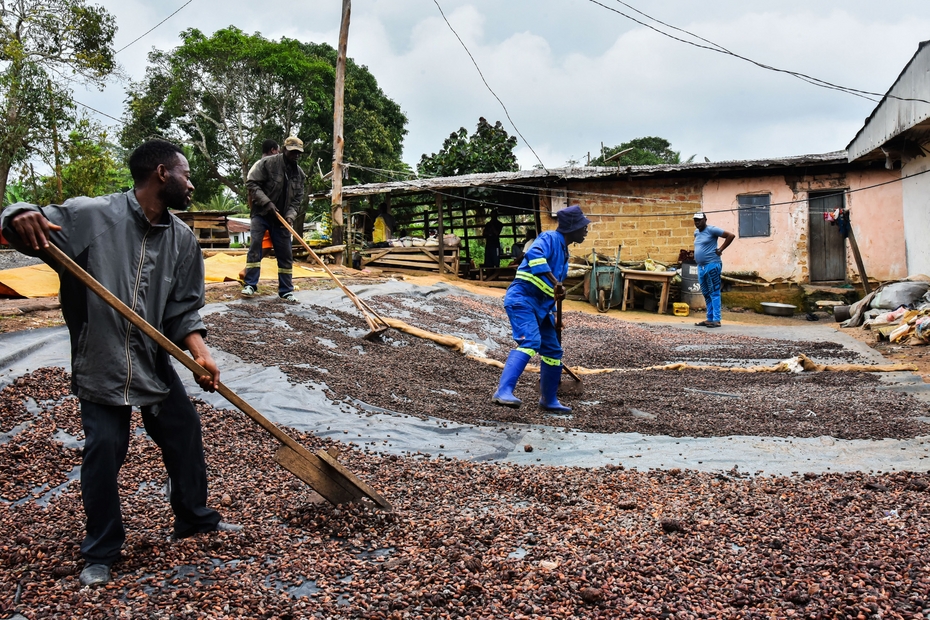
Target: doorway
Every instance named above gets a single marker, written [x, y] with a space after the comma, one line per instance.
[827, 246]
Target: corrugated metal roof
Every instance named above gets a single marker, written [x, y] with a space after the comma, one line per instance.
[581, 173]
[236, 226]
[892, 117]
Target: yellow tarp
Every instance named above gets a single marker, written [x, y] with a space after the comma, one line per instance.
[33, 281]
[225, 268]
[42, 281]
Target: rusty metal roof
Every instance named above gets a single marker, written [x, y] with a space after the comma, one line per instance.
[898, 111]
[554, 176]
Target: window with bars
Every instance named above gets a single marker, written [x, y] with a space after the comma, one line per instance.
[754, 215]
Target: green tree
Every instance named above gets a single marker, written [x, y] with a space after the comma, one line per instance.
[649, 151]
[45, 45]
[226, 93]
[489, 149]
[93, 166]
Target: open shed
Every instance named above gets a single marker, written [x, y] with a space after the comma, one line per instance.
[775, 207]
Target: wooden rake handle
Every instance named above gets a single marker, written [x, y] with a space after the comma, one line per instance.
[558, 332]
[345, 289]
[174, 350]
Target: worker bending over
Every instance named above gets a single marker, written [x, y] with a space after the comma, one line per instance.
[530, 304]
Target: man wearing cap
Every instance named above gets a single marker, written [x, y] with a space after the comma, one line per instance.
[530, 304]
[275, 183]
[707, 257]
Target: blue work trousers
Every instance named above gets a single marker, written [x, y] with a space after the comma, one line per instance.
[532, 330]
[280, 241]
[709, 277]
[174, 426]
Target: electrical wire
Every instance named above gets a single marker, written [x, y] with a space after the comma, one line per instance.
[714, 47]
[152, 28]
[474, 62]
[96, 110]
[532, 191]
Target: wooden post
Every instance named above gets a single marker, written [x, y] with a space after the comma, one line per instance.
[465, 230]
[51, 99]
[350, 232]
[387, 202]
[857, 256]
[338, 138]
[439, 235]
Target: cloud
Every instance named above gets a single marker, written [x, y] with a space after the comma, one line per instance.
[572, 74]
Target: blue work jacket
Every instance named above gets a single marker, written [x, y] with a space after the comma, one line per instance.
[549, 253]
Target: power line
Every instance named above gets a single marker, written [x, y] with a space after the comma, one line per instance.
[96, 110]
[152, 28]
[529, 190]
[474, 62]
[714, 47]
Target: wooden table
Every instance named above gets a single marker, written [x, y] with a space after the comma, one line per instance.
[489, 274]
[632, 275]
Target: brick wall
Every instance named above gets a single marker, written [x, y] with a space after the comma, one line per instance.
[651, 218]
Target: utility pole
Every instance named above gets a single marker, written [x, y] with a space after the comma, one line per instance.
[338, 139]
[51, 98]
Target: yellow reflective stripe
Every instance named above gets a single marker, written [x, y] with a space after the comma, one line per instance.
[285, 271]
[529, 352]
[550, 361]
[537, 261]
[252, 265]
[539, 282]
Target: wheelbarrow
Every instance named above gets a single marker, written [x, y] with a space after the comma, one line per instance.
[605, 288]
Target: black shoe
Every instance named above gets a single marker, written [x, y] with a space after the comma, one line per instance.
[712, 324]
[95, 575]
[705, 324]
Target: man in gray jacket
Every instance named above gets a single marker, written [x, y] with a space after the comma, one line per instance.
[274, 183]
[150, 260]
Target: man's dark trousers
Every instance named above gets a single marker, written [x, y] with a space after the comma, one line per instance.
[174, 426]
[280, 241]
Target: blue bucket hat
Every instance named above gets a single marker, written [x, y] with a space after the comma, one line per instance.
[571, 219]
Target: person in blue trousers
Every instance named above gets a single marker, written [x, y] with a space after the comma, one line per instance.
[707, 257]
[530, 305]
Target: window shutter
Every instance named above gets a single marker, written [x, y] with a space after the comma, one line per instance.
[754, 215]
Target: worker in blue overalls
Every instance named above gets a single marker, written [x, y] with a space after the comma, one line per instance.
[530, 305]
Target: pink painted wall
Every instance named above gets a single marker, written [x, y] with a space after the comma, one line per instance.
[877, 216]
[878, 223]
[775, 257]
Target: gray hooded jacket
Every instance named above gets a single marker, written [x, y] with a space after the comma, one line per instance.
[155, 270]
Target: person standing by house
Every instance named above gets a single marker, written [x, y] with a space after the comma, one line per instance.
[707, 256]
[275, 183]
[492, 241]
[383, 229]
[152, 262]
[530, 303]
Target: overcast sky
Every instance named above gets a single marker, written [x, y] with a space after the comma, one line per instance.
[573, 74]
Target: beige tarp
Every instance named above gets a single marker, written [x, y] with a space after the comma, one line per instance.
[225, 268]
[33, 281]
[42, 281]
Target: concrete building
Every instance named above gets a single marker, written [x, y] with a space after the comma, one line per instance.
[897, 133]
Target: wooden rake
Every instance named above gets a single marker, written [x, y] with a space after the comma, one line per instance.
[373, 321]
[321, 470]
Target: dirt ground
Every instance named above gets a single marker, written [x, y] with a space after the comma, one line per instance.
[918, 356]
[473, 539]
